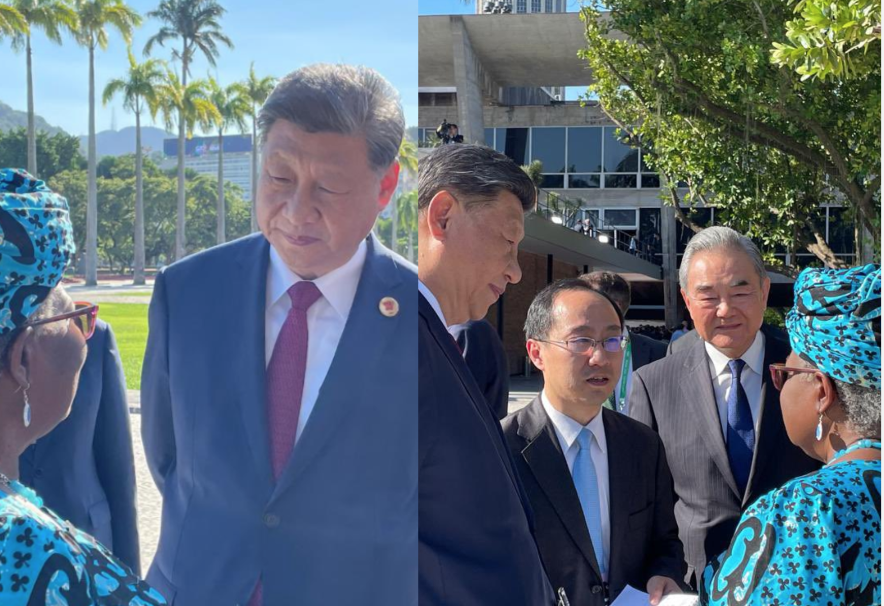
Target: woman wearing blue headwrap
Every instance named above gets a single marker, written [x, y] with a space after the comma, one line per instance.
[817, 539]
[43, 559]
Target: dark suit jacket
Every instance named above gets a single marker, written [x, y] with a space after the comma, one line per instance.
[675, 397]
[476, 541]
[84, 469]
[645, 350]
[340, 524]
[483, 352]
[644, 536]
[690, 337]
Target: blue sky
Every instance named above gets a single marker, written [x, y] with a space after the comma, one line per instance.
[278, 36]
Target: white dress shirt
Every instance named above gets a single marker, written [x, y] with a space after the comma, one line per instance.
[326, 318]
[750, 379]
[567, 430]
[432, 300]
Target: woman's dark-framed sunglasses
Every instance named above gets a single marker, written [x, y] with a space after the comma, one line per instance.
[780, 373]
[84, 316]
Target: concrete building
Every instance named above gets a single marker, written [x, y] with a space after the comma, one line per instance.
[201, 155]
[590, 178]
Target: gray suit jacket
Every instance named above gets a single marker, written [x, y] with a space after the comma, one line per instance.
[84, 469]
[674, 396]
[644, 535]
[340, 525]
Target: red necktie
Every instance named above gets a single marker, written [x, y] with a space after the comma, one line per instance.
[285, 385]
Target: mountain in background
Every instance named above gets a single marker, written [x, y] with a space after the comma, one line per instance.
[11, 119]
[122, 142]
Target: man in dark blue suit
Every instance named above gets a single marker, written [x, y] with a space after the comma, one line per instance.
[280, 377]
[483, 352]
[476, 530]
[84, 469]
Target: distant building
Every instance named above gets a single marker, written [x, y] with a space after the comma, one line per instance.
[201, 155]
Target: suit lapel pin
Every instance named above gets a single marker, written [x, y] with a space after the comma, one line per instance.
[389, 306]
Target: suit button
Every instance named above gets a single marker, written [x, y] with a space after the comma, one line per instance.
[271, 520]
[596, 589]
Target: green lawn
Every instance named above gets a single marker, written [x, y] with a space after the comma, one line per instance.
[129, 321]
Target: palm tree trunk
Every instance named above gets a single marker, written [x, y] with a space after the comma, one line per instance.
[92, 188]
[254, 169]
[222, 209]
[180, 242]
[32, 133]
[394, 226]
[139, 202]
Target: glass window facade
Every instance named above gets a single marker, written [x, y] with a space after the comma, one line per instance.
[513, 142]
[521, 6]
[548, 146]
[619, 157]
[584, 150]
[535, 6]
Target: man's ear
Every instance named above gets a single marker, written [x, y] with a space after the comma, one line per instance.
[439, 213]
[19, 353]
[388, 185]
[534, 353]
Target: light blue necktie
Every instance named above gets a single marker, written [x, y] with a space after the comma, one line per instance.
[587, 485]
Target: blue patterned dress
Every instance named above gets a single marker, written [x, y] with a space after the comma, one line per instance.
[814, 541]
[45, 561]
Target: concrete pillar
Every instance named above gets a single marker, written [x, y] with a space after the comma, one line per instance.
[468, 79]
[670, 264]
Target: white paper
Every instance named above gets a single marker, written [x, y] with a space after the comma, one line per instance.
[630, 596]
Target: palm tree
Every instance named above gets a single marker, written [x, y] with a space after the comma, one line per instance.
[191, 105]
[258, 90]
[195, 24]
[407, 162]
[138, 88]
[95, 17]
[12, 22]
[406, 209]
[52, 16]
[233, 105]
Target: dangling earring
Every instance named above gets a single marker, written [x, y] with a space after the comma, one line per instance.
[819, 429]
[26, 413]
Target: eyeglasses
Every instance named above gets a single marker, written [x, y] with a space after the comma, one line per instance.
[584, 345]
[84, 317]
[780, 373]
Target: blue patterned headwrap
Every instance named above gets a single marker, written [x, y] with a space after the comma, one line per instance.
[831, 323]
[36, 243]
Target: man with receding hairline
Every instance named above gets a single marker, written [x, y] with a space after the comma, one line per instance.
[288, 468]
[475, 540]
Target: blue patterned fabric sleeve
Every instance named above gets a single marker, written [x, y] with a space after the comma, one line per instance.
[815, 541]
[44, 561]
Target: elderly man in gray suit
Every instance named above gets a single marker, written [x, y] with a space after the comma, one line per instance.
[712, 404]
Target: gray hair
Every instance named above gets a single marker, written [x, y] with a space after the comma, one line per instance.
[862, 405]
[719, 238]
[539, 321]
[474, 173]
[54, 304]
[345, 99]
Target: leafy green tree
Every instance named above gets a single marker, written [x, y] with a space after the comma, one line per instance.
[407, 164]
[95, 17]
[52, 17]
[692, 83]
[233, 105]
[139, 91]
[195, 24]
[258, 91]
[832, 39]
[55, 153]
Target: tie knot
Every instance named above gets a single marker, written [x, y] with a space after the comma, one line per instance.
[736, 367]
[584, 439]
[303, 294]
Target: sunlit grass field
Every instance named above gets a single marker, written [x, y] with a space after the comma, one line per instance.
[129, 323]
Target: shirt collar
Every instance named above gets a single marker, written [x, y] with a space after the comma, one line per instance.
[754, 356]
[337, 286]
[432, 300]
[568, 428]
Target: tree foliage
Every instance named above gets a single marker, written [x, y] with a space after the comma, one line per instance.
[692, 82]
[55, 153]
[832, 39]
